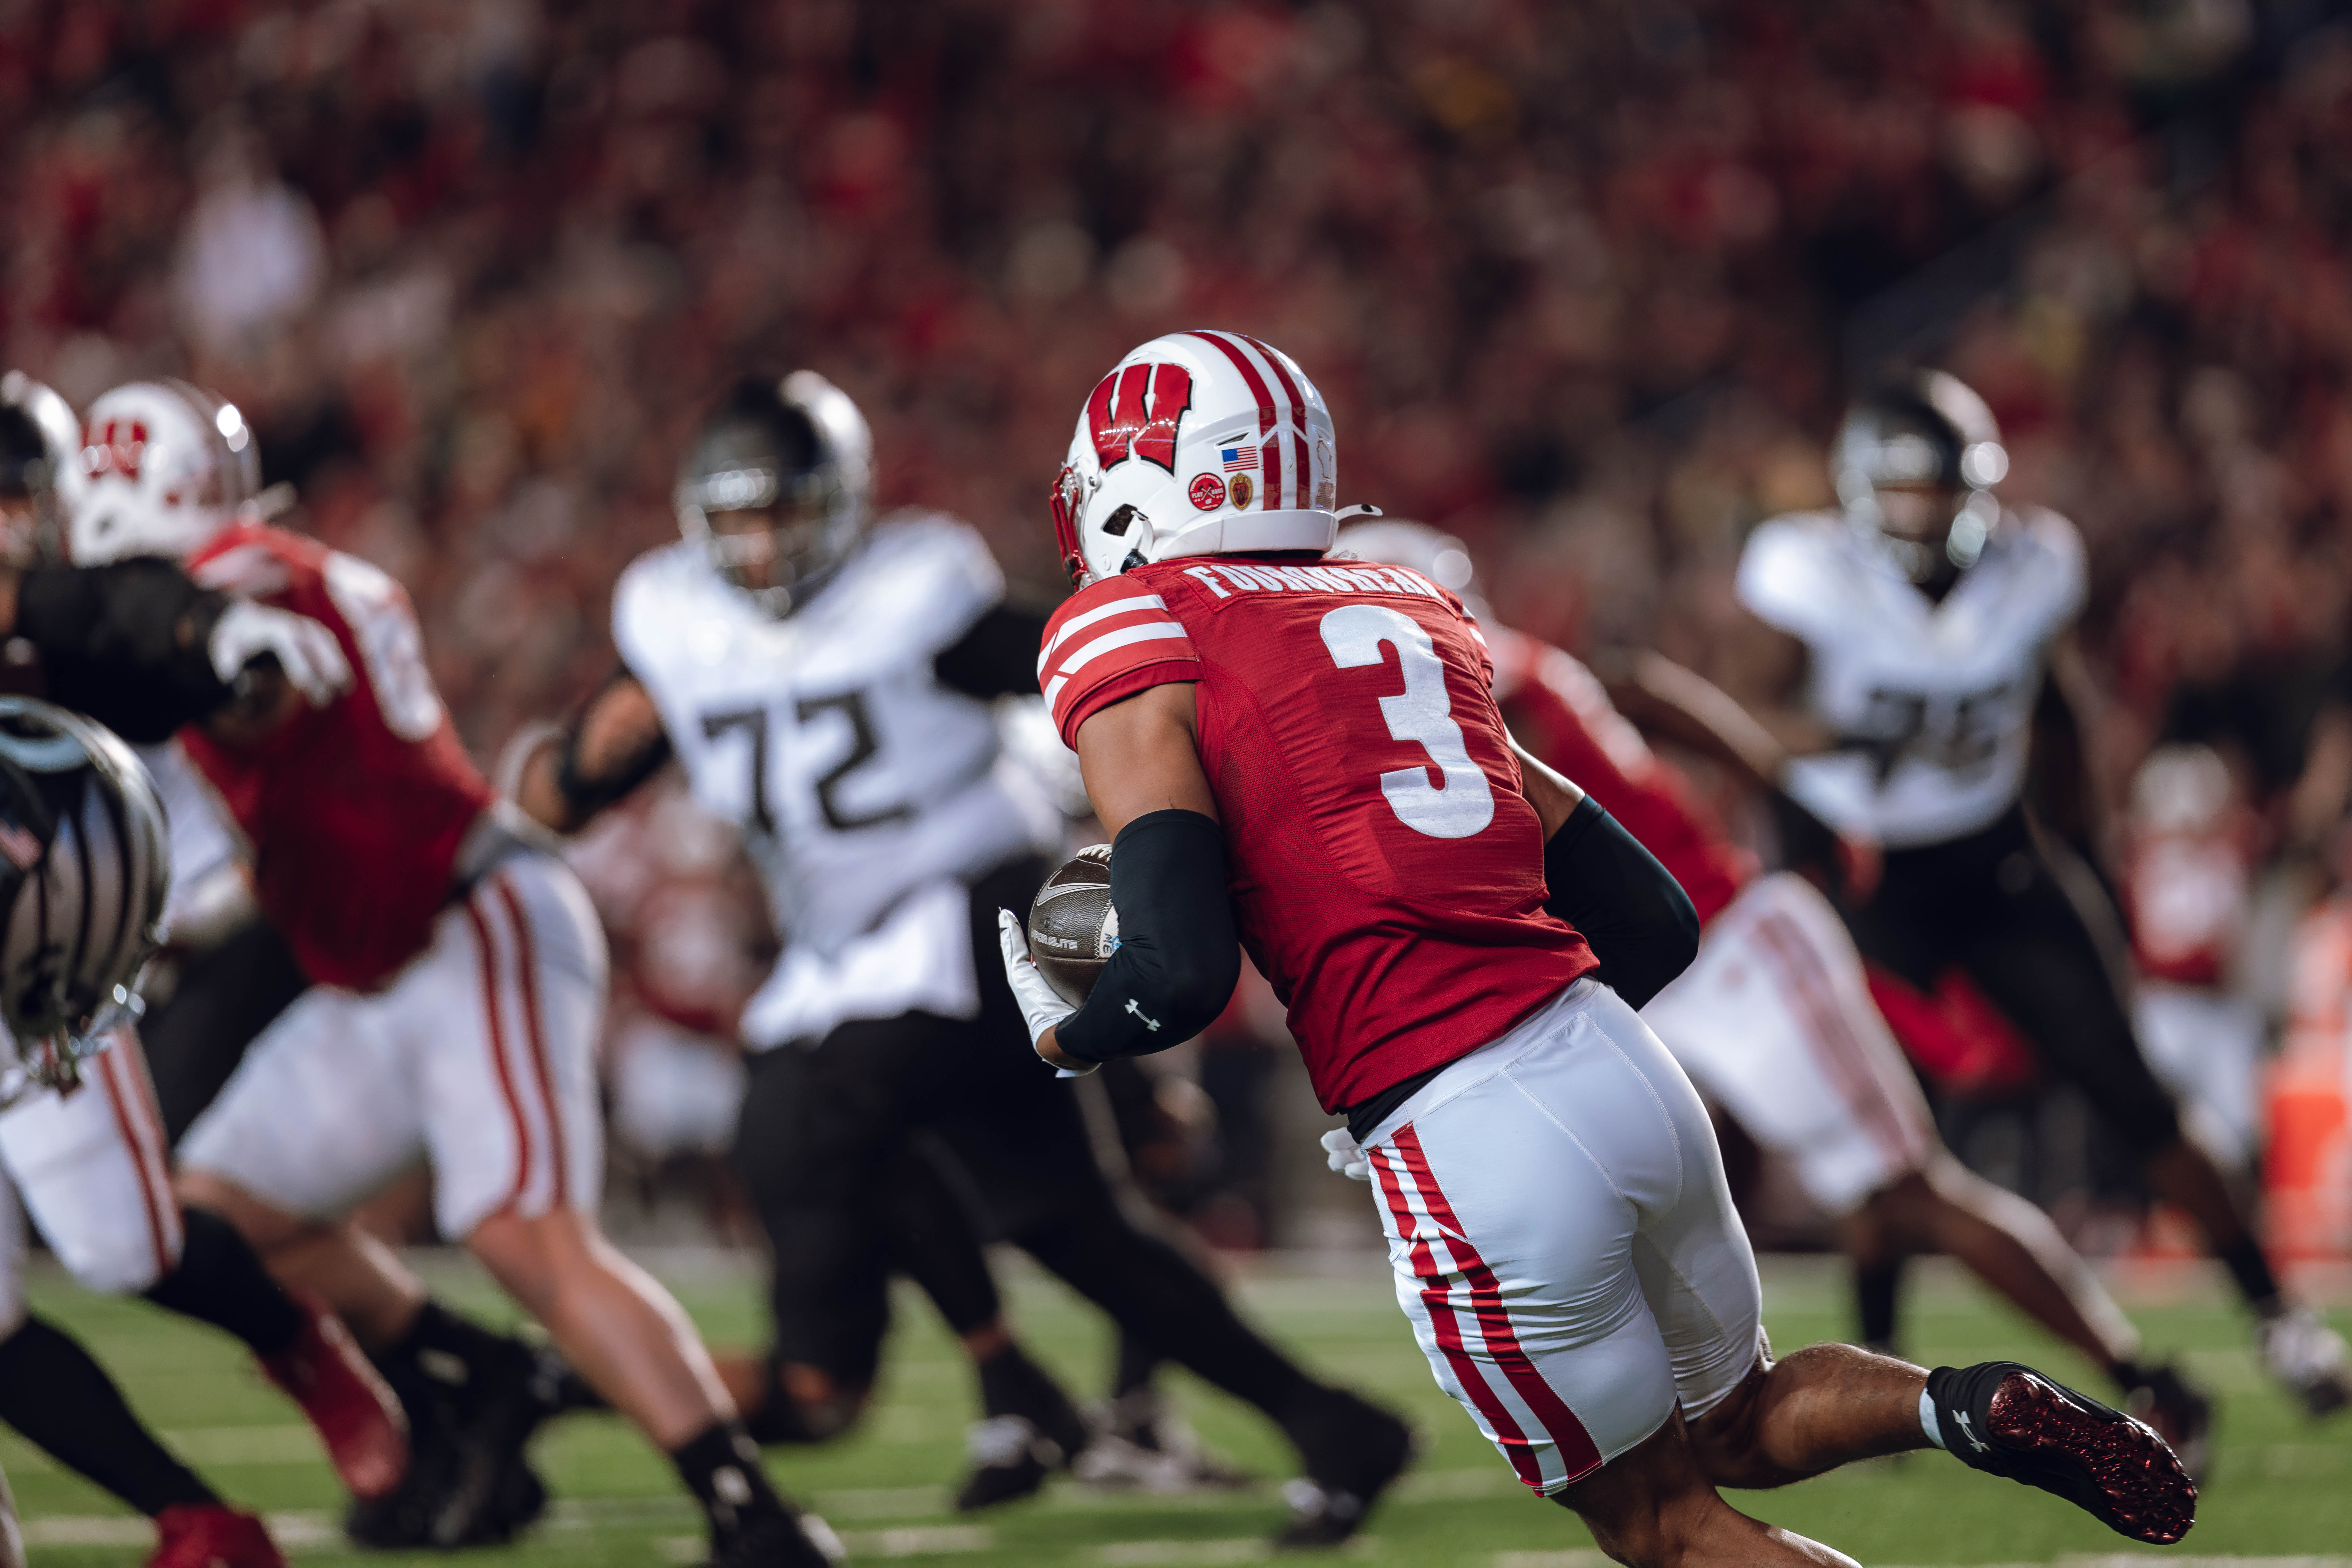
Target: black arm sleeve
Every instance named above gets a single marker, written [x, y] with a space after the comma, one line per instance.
[586, 796]
[998, 657]
[1640, 924]
[125, 643]
[1178, 957]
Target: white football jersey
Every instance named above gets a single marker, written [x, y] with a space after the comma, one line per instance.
[869, 793]
[1932, 702]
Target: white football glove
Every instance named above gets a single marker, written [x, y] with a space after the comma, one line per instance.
[307, 651]
[1339, 1152]
[1041, 1006]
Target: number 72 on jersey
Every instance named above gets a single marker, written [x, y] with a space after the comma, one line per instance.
[760, 755]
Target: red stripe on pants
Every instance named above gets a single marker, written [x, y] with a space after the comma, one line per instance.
[109, 1074]
[1577, 1448]
[1842, 1057]
[530, 989]
[1444, 1322]
[498, 1053]
[148, 1120]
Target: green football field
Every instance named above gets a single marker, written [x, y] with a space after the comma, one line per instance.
[2281, 1490]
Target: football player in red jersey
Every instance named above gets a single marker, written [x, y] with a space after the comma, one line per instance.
[460, 970]
[827, 679]
[1774, 1020]
[1308, 755]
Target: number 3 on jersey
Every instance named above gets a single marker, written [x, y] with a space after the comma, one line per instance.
[1422, 714]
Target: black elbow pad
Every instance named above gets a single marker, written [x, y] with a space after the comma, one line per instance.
[1640, 924]
[1178, 957]
[125, 642]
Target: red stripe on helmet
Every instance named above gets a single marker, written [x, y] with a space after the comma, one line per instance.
[1233, 351]
[1298, 414]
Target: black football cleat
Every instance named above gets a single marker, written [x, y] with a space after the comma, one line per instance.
[2010, 1420]
[1011, 1459]
[782, 1542]
[494, 1493]
[2179, 1411]
[1353, 1450]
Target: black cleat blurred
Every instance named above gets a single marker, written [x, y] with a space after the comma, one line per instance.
[1010, 1461]
[2180, 1412]
[1353, 1450]
[785, 1542]
[493, 1492]
[2010, 1420]
[468, 1483]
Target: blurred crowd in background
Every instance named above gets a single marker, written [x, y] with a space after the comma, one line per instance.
[1586, 285]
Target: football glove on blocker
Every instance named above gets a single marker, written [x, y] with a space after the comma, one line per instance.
[305, 650]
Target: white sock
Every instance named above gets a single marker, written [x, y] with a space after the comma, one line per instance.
[1927, 1422]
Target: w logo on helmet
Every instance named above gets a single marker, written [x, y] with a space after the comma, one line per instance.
[1120, 424]
[117, 446]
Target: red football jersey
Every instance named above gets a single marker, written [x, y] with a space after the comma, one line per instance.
[1557, 709]
[1387, 870]
[355, 810]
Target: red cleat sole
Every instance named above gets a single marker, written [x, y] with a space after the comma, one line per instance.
[2147, 1495]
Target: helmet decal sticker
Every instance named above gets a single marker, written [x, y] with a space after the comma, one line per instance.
[1208, 492]
[1129, 431]
[116, 448]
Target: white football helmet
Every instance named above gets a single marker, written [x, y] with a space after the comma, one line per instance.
[1197, 443]
[165, 466]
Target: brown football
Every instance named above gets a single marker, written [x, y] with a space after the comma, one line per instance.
[1073, 928]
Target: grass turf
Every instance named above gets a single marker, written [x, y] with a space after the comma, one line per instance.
[2280, 1487]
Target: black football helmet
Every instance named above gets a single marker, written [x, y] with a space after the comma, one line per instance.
[1931, 437]
[40, 449]
[84, 868]
[797, 449]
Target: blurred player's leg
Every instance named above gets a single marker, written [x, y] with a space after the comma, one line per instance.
[1775, 1020]
[1028, 1428]
[481, 1056]
[844, 1198]
[60, 1400]
[514, 1123]
[2029, 934]
[93, 1171]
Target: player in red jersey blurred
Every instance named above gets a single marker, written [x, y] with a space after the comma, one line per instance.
[1774, 1019]
[460, 969]
[1308, 755]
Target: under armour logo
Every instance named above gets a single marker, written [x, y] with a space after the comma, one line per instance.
[1149, 1022]
[1967, 1430]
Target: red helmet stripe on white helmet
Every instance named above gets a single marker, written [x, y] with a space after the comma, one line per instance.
[1231, 347]
[1233, 350]
[1298, 411]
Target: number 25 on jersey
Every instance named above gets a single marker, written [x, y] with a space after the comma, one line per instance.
[1420, 714]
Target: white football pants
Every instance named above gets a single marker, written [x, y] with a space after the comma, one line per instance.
[1564, 1241]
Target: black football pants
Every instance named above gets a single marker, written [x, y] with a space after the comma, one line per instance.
[834, 1147]
[2024, 920]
